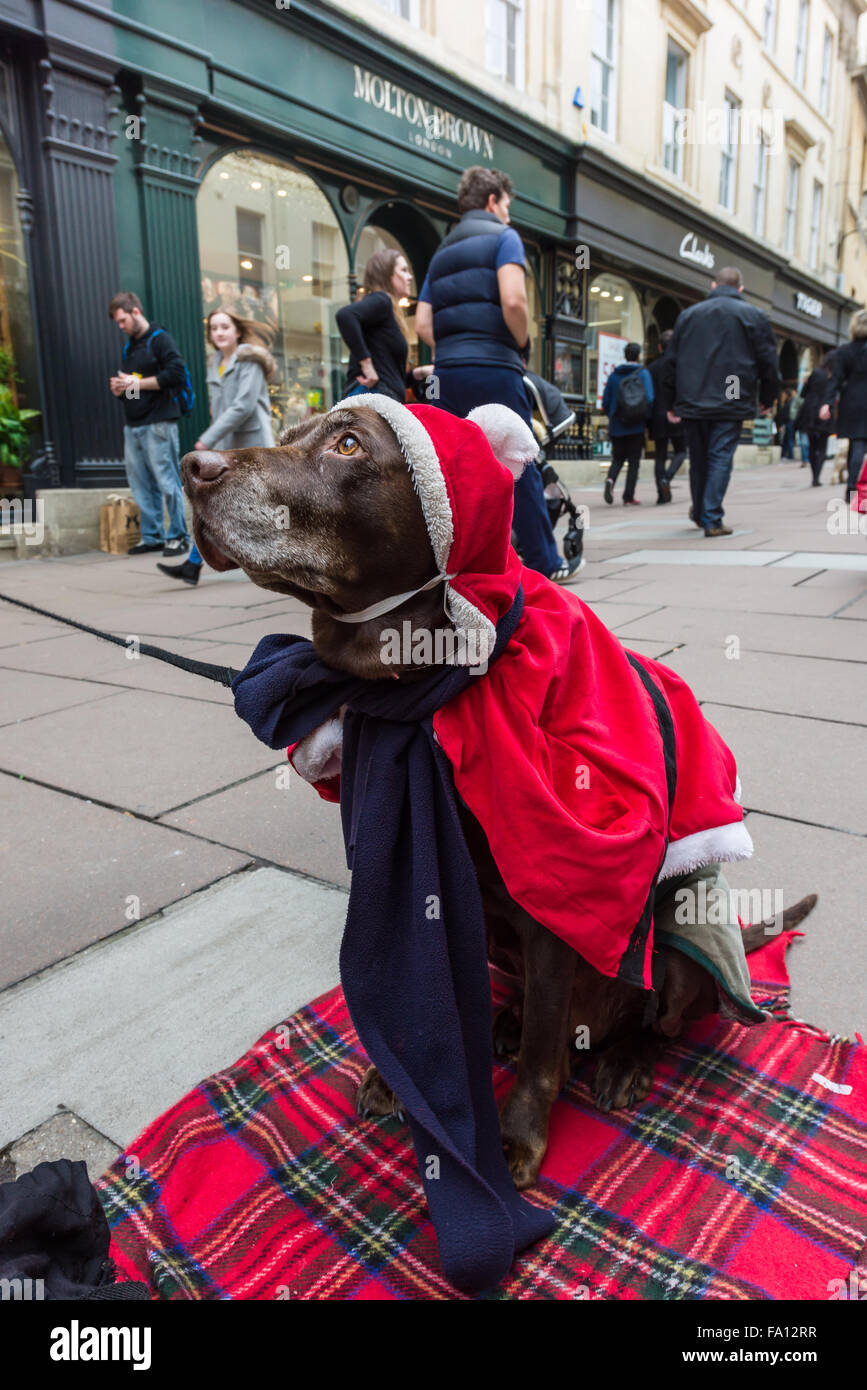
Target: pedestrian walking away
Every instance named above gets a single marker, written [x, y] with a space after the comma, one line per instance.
[238, 376]
[817, 430]
[473, 311]
[661, 430]
[848, 385]
[375, 331]
[722, 353]
[627, 401]
[152, 385]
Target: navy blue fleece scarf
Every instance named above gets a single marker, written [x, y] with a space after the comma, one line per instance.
[413, 959]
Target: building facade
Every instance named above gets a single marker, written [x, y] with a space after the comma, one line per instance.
[252, 154]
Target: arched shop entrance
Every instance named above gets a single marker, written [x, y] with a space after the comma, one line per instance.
[272, 252]
[789, 363]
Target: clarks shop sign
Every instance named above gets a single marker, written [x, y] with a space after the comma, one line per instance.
[690, 250]
[806, 304]
[431, 128]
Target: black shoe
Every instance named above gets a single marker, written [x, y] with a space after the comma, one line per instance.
[188, 572]
[179, 547]
[145, 548]
[569, 570]
[664, 491]
[609, 491]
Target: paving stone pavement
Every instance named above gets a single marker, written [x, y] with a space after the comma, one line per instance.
[168, 895]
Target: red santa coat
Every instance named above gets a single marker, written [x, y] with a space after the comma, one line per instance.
[556, 748]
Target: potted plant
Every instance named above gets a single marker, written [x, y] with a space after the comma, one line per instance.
[14, 443]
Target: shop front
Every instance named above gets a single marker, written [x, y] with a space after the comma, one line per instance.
[277, 150]
[648, 256]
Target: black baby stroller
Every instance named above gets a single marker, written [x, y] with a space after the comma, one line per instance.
[551, 417]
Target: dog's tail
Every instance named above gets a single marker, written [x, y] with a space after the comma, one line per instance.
[760, 933]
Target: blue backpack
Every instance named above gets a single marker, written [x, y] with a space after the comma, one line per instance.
[185, 395]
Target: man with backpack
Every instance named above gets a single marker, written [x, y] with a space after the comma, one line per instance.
[627, 401]
[155, 388]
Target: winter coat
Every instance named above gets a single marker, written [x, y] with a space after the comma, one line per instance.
[813, 394]
[609, 399]
[722, 351]
[849, 381]
[156, 354]
[659, 426]
[240, 404]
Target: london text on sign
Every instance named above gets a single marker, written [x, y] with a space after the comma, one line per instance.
[438, 128]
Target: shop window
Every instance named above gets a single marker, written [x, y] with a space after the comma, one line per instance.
[614, 311]
[673, 112]
[760, 185]
[825, 79]
[815, 225]
[18, 367]
[604, 67]
[272, 254]
[534, 303]
[729, 153]
[404, 9]
[801, 42]
[793, 181]
[504, 40]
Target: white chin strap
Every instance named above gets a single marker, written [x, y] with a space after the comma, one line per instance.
[385, 605]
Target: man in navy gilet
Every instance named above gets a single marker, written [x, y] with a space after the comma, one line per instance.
[473, 311]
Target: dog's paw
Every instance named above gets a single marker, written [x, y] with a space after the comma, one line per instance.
[375, 1099]
[624, 1076]
[507, 1032]
[524, 1154]
[524, 1131]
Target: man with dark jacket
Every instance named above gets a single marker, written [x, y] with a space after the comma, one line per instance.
[473, 310]
[627, 420]
[152, 374]
[722, 351]
[661, 430]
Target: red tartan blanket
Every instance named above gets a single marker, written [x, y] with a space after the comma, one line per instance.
[742, 1177]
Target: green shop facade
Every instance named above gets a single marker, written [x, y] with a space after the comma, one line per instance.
[241, 154]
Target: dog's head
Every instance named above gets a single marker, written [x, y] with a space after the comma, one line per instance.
[329, 516]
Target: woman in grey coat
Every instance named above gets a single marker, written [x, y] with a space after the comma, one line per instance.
[238, 376]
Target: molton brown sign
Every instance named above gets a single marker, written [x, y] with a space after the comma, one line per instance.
[431, 127]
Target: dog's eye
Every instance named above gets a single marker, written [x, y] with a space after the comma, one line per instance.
[348, 444]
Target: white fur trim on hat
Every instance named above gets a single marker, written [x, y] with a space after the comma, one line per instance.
[720, 845]
[512, 441]
[430, 484]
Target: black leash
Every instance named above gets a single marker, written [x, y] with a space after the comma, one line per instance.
[224, 675]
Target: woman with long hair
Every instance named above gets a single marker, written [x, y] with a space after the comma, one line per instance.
[375, 330]
[238, 376]
[849, 383]
[813, 394]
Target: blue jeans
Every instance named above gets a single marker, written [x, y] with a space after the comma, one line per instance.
[712, 445]
[461, 389]
[153, 471]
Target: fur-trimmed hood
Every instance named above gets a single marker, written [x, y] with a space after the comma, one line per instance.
[251, 352]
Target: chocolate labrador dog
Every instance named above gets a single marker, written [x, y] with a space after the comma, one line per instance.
[331, 517]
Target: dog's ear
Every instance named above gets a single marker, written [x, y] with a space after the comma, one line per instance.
[512, 442]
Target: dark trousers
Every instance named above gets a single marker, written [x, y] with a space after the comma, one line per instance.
[626, 448]
[461, 389]
[857, 450]
[818, 445]
[678, 454]
[712, 444]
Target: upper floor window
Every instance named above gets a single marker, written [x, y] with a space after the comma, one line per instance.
[504, 40]
[801, 41]
[793, 179]
[673, 114]
[769, 28]
[729, 153]
[405, 9]
[825, 80]
[760, 185]
[603, 77]
[815, 225]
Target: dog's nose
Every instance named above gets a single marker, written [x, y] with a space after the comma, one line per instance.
[203, 468]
